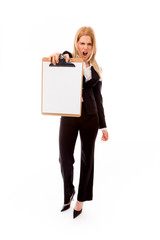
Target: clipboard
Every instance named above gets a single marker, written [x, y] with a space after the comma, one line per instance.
[62, 87]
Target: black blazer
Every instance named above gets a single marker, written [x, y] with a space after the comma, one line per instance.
[92, 96]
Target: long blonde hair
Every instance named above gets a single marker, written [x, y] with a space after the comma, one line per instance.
[87, 31]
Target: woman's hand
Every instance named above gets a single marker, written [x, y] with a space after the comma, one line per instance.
[54, 58]
[105, 136]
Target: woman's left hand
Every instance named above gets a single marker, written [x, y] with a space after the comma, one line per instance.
[105, 136]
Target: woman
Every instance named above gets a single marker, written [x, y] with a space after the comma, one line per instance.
[87, 125]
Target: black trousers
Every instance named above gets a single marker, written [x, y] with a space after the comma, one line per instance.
[87, 126]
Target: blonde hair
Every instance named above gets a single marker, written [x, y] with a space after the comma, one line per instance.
[87, 31]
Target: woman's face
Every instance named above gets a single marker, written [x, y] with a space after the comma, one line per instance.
[85, 47]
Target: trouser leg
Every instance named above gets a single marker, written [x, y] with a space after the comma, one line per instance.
[88, 133]
[67, 138]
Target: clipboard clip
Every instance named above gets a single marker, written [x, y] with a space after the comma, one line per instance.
[62, 62]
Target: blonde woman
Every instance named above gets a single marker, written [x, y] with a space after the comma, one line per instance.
[92, 119]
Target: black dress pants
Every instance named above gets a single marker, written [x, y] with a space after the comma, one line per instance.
[87, 126]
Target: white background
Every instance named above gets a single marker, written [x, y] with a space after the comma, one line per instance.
[127, 167]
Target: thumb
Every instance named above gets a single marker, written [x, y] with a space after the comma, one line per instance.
[67, 57]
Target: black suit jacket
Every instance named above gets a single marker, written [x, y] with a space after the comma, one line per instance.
[92, 96]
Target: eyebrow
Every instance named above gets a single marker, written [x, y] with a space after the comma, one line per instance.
[87, 43]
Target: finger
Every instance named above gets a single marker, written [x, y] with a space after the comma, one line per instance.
[57, 58]
[67, 57]
[103, 139]
[105, 136]
[53, 60]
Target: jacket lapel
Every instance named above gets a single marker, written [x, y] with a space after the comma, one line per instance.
[93, 81]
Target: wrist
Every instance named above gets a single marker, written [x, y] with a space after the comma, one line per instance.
[103, 129]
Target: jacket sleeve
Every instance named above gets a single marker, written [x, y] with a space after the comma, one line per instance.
[99, 102]
[66, 52]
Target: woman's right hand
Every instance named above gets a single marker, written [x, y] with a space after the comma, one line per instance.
[54, 58]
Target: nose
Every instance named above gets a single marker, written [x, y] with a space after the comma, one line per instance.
[85, 47]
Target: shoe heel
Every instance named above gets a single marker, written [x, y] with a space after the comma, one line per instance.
[67, 206]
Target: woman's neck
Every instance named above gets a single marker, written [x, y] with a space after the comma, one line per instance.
[87, 64]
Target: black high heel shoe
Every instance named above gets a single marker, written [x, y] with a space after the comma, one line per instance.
[67, 206]
[76, 213]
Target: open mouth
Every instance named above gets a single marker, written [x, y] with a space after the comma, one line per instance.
[85, 54]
